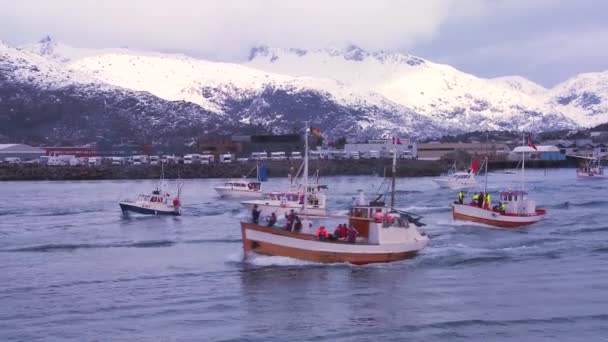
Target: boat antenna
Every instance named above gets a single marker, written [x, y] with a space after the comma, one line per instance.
[393, 180]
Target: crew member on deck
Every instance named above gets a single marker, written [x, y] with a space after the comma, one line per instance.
[255, 214]
[272, 220]
[322, 233]
[460, 197]
[503, 208]
[488, 202]
[475, 198]
[352, 234]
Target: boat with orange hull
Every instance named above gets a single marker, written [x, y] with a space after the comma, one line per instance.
[375, 232]
[304, 245]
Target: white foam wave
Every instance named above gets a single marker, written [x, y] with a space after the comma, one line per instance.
[423, 209]
[264, 260]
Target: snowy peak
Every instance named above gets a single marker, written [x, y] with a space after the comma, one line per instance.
[584, 98]
[520, 84]
[351, 53]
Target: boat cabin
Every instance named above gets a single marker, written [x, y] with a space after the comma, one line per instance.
[362, 216]
[517, 202]
[156, 197]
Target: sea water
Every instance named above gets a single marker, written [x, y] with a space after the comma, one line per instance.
[72, 267]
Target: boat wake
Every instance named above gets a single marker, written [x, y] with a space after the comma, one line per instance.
[438, 209]
[138, 244]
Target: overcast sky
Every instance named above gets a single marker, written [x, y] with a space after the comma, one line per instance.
[546, 41]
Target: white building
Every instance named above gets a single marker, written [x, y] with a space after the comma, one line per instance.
[21, 151]
[407, 149]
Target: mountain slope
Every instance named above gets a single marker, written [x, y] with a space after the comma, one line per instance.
[176, 96]
[583, 98]
[459, 100]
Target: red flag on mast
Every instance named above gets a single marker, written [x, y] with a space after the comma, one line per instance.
[475, 166]
[530, 143]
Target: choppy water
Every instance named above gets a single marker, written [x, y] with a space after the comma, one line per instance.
[72, 268]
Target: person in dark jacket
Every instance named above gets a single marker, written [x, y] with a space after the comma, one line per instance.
[272, 220]
[255, 214]
[352, 234]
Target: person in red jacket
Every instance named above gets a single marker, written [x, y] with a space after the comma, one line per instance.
[322, 233]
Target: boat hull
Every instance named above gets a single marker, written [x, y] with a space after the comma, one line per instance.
[466, 212]
[276, 242]
[235, 193]
[128, 207]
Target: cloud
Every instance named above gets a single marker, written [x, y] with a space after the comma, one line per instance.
[228, 28]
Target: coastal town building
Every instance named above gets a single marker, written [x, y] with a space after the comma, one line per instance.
[436, 150]
[20, 151]
[383, 147]
[543, 152]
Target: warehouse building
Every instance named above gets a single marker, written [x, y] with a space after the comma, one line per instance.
[21, 151]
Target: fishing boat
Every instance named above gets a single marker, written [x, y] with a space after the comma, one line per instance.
[243, 188]
[591, 168]
[459, 179]
[158, 202]
[283, 202]
[383, 234]
[517, 209]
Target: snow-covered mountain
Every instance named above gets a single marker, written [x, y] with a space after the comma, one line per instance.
[220, 87]
[584, 98]
[212, 97]
[348, 92]
[440, 92]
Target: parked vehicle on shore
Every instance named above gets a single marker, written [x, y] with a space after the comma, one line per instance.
[277, 156]
[259, 156]
[226, 158]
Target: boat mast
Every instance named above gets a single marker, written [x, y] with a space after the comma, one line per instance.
[305, 174]
[485, 189]
[393, 180]
[523, 163]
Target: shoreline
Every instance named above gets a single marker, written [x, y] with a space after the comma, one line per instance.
[362, 167]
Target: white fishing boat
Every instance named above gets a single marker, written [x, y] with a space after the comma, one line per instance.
[515, 208]
[376, 234]
[281, 203]
[155, 203]
[158, 202]
[459, 179]
[591, 168]
[243, 188]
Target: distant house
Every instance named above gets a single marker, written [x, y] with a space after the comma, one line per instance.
[434, 150]
[383, 147]
[543, 152]
[21, 151]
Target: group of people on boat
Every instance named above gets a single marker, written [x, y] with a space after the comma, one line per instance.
[293, 220]
[482, 200]
[342, 233]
